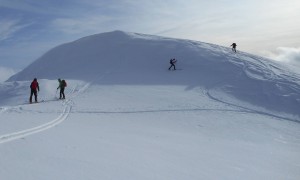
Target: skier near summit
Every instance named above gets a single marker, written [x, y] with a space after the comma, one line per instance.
[234, 47]
[61, 86]
[34, 88]
[172, 62]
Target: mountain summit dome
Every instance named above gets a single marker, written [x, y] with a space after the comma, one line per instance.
[121, 58]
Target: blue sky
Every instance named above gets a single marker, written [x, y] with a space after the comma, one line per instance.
[29, 28]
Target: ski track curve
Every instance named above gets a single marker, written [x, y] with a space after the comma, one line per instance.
[67, 108]
[43, 127]
[257, 68]
[247, 109]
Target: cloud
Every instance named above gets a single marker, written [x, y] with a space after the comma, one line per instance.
[9, 27]
[287, 54]
[5, 73]
[45, 7]
[76, 26]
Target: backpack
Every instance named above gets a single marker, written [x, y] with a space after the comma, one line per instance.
[64, 83]
[172, 61]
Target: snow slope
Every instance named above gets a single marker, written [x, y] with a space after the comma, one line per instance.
[219, 116]
[144, 59]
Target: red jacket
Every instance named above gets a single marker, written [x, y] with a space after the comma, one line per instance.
[35, 85]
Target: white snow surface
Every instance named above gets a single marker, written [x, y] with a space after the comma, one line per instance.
[220, 115]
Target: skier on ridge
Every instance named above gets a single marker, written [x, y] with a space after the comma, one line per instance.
[61, 86]
[172, 62]
[234, 47]
[34, 87]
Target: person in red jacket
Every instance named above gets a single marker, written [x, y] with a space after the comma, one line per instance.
[34, 86]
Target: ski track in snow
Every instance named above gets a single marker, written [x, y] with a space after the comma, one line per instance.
[159, 111]
[43, 127]
[248, 110]
[67, 107]
[255, 68]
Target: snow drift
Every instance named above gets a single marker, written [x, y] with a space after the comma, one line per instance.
[245, 79]
[221, 115]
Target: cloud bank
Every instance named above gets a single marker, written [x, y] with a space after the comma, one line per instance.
[287, 54]
[5, 73]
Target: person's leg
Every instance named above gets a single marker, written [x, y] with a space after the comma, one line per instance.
[30, 98]
[63, 93]
[172, 65]
[60, 93]
[35, 95]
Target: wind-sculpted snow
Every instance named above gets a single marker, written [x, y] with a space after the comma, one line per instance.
[219, 116]
[138, 59]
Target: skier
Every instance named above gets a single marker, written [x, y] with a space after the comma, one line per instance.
[61, 86]
[234, 47]
[34, 86]
[172, 62]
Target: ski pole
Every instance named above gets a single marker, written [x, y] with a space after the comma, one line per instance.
[55, 93]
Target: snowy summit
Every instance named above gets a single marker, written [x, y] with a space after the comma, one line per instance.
[219, 115]
[138, 59]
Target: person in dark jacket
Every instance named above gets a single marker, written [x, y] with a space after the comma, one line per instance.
[172, 62]
[61, 86]
[34, 87]
[234, 47]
